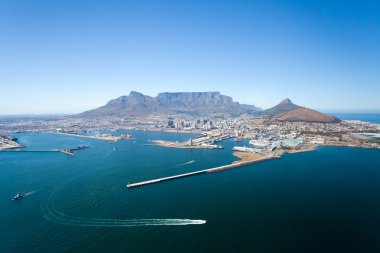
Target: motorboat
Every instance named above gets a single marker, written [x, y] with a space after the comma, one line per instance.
[18, 196]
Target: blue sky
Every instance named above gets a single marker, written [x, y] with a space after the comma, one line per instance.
[70, 56]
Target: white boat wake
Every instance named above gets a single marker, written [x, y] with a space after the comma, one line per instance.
[53, 215]
[182, 164]
[29, 193]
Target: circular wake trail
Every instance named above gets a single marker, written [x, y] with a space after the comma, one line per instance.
[53, 215]
[30, 193]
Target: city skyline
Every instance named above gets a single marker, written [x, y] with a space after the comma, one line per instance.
[68, 57]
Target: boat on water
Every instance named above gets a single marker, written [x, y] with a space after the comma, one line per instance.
[18, 196]
[81, 147]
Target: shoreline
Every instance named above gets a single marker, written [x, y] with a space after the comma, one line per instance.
[9, 144]
[98, 137]
[10, 147]
[245, 159]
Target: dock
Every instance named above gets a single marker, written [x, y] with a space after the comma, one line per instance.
[211, 170]
[39, 151]
[67, 151]
[165, 178]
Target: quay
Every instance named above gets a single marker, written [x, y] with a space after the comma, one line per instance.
[68, 151]
[165, 178]
[39, 151]
[212, 170]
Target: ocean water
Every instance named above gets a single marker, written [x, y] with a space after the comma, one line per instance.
[322, 201]
[368, 117]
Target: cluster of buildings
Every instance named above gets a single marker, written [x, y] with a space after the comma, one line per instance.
[263, 132]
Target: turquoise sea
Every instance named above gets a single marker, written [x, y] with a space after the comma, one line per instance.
[322, 201]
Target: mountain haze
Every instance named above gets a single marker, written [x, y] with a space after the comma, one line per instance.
[193, 103]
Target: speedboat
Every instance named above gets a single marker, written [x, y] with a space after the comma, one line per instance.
[18, 196]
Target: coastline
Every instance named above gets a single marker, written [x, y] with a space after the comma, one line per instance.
[10, 146]
[6, 144]
[99, 137]
[245, 159]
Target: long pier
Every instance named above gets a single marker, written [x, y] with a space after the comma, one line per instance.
[212, 170]
[39, 151]
[67, 151]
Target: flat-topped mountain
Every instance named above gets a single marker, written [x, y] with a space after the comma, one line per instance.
[199, 103]
[194, 103]
[287, 111]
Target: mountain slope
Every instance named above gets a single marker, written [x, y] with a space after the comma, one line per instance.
[136, 104]
[303, 114]
[284, 106]
[193, 103]
[287, 111]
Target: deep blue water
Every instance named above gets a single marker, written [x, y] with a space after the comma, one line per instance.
[322, 201]
[368, 117]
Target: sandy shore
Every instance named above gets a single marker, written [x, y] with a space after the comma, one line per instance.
[249, 156]
[252, 157]
[9, 145]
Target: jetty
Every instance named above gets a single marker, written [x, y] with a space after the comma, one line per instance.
[211, 170]
[24, 151]
[68, 151]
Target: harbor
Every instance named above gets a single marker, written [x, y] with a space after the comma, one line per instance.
[106, 137]
[237, 164]
[68, 151]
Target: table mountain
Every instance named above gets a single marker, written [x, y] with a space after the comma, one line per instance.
[194, 103]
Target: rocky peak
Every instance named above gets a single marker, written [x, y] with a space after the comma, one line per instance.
[286, 101]
[285, 105]
[135, 94]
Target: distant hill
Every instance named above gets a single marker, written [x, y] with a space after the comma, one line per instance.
[303, 114]
[251, 108]
[136, 104]
[287, 111]
[193, 103]
[285, 105]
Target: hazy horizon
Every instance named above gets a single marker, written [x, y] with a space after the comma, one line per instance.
[328, 111]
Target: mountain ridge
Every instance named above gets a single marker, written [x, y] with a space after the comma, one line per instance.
[212, 103]
[193, 103]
